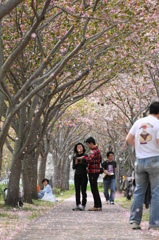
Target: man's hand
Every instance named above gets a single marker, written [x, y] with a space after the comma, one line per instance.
[107, 173]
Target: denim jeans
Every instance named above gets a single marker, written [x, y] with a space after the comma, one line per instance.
[109, 184]
[40, 195]
[146, 169]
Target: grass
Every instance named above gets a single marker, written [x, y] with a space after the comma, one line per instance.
[8, 216]
[14, 219]
[123, 202]
[33, 216]
[66, 194]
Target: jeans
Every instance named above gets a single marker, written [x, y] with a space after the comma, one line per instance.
[109, 183]
[81, 185]
[93, 177]
[146, 169]
[40, 195]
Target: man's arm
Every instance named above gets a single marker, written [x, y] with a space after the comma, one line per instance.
[105, 171]
[158, 141]
[87, 158]
[130, 139]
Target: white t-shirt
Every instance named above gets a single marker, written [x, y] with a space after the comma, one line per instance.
[146, 131]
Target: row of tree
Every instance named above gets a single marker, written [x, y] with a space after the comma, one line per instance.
[54, 53]
[107, 115]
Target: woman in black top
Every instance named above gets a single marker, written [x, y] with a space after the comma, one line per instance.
[80, 177]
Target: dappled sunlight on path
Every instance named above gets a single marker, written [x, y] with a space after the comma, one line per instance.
[63, 223]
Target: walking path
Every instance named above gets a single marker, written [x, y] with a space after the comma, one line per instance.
[64, 224]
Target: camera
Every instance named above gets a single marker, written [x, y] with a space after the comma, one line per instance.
[79, 160]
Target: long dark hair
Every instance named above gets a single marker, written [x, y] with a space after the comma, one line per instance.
[75, 148]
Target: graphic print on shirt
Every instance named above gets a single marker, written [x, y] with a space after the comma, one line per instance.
[145, 136]
[110, 168]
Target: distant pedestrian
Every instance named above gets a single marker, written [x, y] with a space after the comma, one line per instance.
[109, 167]
[80, 177]
[93, 161]
[144, 135]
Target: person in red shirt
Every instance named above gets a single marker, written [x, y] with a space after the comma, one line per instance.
[93, 170]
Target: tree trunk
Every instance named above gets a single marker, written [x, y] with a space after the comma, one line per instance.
[57, 175]
[1, 154]
[43, 150]
[42, 168]
[118, 177]
[16, 167]
[65, 178]
[27, 177]
[13, 186]
[34, 175]
[1, 98]
[61, 173]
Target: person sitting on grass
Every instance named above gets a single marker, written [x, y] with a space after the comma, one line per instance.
[46, 194]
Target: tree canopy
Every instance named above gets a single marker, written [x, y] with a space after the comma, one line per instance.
[54, 53]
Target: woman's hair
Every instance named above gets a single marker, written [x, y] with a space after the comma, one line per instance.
[75, 148]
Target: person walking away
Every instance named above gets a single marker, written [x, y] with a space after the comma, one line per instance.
[144, 136]
[109, 167]
[80, 177]
[93, 161]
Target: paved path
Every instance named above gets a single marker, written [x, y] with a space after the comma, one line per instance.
[64, 224]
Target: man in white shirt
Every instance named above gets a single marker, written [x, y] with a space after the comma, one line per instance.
[144, 136]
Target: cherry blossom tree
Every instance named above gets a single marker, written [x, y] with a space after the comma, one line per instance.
[7, 6]
[116, 108]
[60, 52]
[69, 130]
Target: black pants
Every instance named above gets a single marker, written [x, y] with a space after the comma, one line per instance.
[81, 185]
[93, 177]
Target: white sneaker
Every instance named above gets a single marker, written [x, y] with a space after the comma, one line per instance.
[111, 202]
[107, 202]
[76, 209]
[81, 207]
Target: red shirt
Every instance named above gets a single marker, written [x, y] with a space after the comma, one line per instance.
[93, 161]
